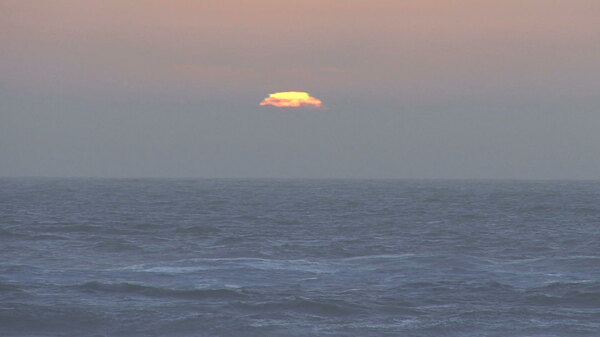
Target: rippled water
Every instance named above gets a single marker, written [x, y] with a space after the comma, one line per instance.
[150, 257]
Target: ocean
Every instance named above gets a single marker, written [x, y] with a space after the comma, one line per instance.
[251, 257]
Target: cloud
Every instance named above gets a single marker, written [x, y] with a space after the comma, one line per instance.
[292, 99]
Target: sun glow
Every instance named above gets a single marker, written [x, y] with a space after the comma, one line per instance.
[291, 99]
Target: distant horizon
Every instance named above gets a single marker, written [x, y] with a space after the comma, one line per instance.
[308, 178]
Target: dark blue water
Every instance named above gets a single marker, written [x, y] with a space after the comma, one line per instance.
[96, 257]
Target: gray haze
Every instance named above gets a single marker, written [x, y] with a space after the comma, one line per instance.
[412, 89]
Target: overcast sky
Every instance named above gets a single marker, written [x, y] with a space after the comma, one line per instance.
[411, 88]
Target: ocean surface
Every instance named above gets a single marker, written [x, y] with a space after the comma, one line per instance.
[160, 257]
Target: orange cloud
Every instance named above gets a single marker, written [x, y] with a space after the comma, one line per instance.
[291, 99]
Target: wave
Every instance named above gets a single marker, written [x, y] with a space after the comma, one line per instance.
[581, 293]
[200, 264]
[76, 228]
[27, 319]
[10, 287]
[116, 245]
[329, 307]
[172, 270]
[87, 228]
[572, 285]
[43, 237]
[151, 291]
[6, 234]
[18, 268]
[380, 257]
[198, 230]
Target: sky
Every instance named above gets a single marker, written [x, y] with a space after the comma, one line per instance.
[465, 89]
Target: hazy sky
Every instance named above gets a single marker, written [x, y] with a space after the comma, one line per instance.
[411, 88]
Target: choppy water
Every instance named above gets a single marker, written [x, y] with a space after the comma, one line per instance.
[96, 257]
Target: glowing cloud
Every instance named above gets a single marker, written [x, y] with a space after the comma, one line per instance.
[291, 99]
